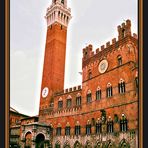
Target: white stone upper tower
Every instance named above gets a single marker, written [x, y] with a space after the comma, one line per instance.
[58, 12]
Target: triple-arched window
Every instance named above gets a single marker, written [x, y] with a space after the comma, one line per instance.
[67, 129]
[110, 125]
[123, 123]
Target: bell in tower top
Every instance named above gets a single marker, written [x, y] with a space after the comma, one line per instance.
[58, 12]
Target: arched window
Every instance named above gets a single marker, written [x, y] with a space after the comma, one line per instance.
[78, 99]
[77, 128]
[98, 127]
[77, 144]
[69, 103]
[67, 130]
[123, 123]
[121, 87]
[88, 128]
[88, 96]
[109, 92]
[88, 145]
[110, 125]
[58, 130]
[60, 104]
[98, 145]
[98, 94]
[124, 144]
[119, 58]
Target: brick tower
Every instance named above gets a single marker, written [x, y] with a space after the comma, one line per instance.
[57, 16]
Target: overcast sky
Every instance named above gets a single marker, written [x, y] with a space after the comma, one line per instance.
[93, 22]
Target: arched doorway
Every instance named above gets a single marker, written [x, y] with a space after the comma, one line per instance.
[88, 145]
[124, 144]
[28, 138]
[111, 145]
[98, 145]
[77, 144]
[66, 145]
[40, 138]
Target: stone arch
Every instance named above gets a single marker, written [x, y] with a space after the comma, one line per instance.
[40, 139]
[88, 144]
[124, 144]
[58, 144]
[98, 144]
[28, 138]
[77, 144]
[66, 144]
[111, 144]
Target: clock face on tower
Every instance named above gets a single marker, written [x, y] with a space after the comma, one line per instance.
[103, 66]
[45, 92]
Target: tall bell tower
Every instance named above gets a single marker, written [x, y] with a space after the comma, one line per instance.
[58, 16]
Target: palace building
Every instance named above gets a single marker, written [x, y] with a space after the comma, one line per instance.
[103, 111]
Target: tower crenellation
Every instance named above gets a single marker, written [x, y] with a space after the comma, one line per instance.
[124, 32]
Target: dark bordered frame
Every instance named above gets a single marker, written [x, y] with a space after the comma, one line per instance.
[7, 70]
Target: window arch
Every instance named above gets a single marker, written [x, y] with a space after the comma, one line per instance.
[124, 144]
[60, 103]
[88, 128]
[89, 97]
[89, 74]
[123, 123]
[109, 92]
[77, 128]
[78, 99]
[58, 130]
[98, 145]
[77, 144]
[98, 93]
[88, 144]
[119, 59]
[98, 126]
[67, 129]
[121, 86]
[110, 125]
[69, 101]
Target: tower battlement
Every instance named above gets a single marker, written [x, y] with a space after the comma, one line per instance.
[69, 90]
[124, 34]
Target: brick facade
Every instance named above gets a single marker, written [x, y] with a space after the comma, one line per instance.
[103, 111]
